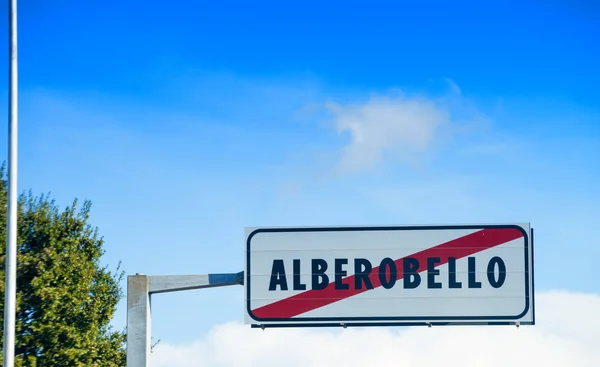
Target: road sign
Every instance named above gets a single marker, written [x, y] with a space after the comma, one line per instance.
[394, 275]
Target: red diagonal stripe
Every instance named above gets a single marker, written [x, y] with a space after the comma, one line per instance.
[458, 248]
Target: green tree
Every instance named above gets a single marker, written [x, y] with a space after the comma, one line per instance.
[65, 298]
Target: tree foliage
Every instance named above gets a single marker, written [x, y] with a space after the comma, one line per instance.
[65, 298]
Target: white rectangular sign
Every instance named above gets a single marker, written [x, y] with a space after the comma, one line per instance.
[395, 275]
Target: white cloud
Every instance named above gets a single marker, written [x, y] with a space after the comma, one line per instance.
[386, 125]
[403, 127]
[566, 334]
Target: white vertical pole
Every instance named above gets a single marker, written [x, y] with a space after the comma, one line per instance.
[138, 321]
[11, 227]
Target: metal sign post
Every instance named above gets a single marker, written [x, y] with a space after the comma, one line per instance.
[345, 276]
[139, 291]
[10, 291]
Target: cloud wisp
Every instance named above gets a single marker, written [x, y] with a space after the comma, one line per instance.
[385, 125]
[398, 126]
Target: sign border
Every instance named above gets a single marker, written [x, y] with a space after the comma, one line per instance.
[395, 320]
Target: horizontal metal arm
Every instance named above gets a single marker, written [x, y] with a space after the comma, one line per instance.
[175, 283]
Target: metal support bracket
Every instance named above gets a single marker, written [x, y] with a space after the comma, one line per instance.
[139, 291]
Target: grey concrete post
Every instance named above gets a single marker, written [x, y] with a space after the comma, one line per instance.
[138, 321]
[139, 291]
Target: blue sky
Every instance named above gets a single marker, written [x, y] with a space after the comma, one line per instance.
[185, 123]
